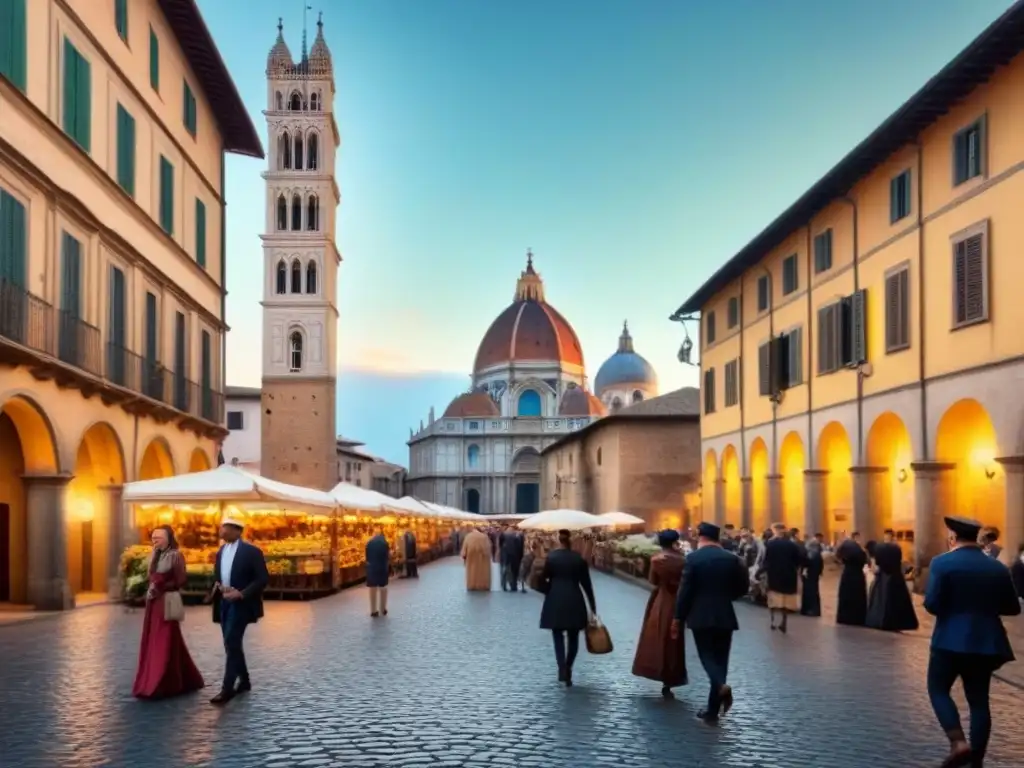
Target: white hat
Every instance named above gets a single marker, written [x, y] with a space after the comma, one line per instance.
[232, 521]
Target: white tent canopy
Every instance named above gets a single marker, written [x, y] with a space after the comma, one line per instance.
[409, 506]
[225, 484]
[355, 497]
[622, 518]
[557, 519]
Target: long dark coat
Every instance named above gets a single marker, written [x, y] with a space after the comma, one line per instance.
[890, 606]
[378, 565]
[852, 605]
[564, 581]
[658, 656]
[810, 596]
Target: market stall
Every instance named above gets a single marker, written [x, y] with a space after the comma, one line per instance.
[360, 513]
[295, 527]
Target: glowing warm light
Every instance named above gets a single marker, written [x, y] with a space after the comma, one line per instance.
[902, 475]
[85, 511]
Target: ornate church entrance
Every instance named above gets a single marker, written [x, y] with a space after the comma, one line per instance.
[527, 498]
[473, 501]
[526, 478]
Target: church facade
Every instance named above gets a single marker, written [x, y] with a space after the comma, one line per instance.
[529, 388]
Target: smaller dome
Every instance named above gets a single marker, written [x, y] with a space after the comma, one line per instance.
[320, 54]
[280, 58]
[578, 402]
[625, 367]
[471, 404]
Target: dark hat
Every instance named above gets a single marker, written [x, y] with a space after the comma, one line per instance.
[965, 528]
[668, 537]
[709, 531]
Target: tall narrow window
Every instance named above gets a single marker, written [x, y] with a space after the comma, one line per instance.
[206, 376]
[116, 335]
[189, 116]
[282, 213]
[314, 102]
[299, 152]
[709, 328]
[77, 96]
[296, 277]
[284, 148]
[790, 276]
[296, 212]
[125, 150]
[897, 310]
[970, 276]
[764, 293]
[154, 61]
[180, 365]
[13, 42]
[709, 390]
[282, 278]
[733, 318]
[823, 251]
[295, 102]
[969, 152]
[70, 300]
[899, 197]
[166, 195]
[313, 150]
[152, 381]
[313, 214]
[295, 345]
[13, 243]
[311, 278]
[200, 233]
[121, 18]
[279, 101]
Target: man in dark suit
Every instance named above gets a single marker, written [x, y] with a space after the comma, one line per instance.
[240, 576]
[968, 593]
[512, 551]
[712, 580]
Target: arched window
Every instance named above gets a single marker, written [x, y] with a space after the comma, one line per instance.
[311, 277]
[295, 102]
[313, 213]
[473, 456]
[299, 154]
[279, 101]
[529, 403]
[637, 396]
[282, 277]
[296, 212]
[313, 151]
[296, 277]
[284, 151]
[282, 213]
[616, 404]
[295, 347]
[313, 102]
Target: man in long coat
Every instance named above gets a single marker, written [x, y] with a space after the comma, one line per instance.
[476, 553]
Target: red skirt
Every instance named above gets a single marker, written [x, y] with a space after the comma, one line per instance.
[165, 666]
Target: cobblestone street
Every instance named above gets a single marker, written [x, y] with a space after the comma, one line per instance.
[458, 679]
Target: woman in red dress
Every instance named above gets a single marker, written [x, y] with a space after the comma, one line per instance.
[165, 666]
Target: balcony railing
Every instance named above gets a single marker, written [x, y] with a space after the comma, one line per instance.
[27, 320]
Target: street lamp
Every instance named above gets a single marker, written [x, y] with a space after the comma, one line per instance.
[685, 354]
[559, 479]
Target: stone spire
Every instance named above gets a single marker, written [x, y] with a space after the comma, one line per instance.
[529, 287]
[279, 58]
[625, 340]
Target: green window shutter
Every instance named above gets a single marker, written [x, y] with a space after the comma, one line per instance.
[154, 60]
[200, 233]
[206, 371]
[71, 277]
[83, 113]
[125, 150]
[166, 195]
[189, 110]
[151, 328]
[121, 18]
[13, 44]
[117, 308]
[13, 240]
[70, 88]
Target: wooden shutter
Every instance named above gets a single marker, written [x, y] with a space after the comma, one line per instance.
[13, 255]
[180, 366]
[70, 88]
[762, 293]
[121, 18]
[71, 277]
[904, 317]
[858, 327]
[894, 200]
[778, 365]
[709, 390]
[125, 150]
[795, 360]
[151, 329]
[897, 310]
[13, 42]
[200, 233]
[154, 60]
[764, 368]
[824, 342]
[166, 195]
[117, 308]
[709, 331]
[969, 270]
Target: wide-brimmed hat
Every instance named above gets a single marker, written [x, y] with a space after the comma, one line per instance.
[233, 521]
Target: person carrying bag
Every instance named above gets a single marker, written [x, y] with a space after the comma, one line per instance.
[565, 583]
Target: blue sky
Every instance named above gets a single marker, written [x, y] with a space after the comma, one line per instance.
[634, 146]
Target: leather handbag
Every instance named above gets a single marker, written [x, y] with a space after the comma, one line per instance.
[174, 608]
[599, 641]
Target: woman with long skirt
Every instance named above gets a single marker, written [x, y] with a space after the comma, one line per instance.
[852, 605]
[165, 666]
[564, 581]
[658, 656]
[810, 596]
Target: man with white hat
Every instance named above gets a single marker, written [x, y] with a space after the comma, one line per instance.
[240, 576]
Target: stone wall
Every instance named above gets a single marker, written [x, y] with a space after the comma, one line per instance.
[299, 444]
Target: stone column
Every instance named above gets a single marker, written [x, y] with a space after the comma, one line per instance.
[1013, 519]
[867, 483]
[48, 587]
[775, 513]
[746, 502]
[118, 537]
[814, 501]
[720, 502]
[931, 504]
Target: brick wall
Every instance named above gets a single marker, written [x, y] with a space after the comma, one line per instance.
[299, 444]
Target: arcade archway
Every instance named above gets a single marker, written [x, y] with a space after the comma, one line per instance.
[759, 485]
[791, 466]
[835, 456]
[967, 438]
[526, 481]
[889, 446]
[156, 461]
[732, 486]
[199, 461]
[709, 487]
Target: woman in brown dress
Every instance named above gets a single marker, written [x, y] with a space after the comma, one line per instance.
[658, 656]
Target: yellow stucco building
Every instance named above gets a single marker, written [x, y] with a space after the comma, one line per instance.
[862, 357]
[115, 118]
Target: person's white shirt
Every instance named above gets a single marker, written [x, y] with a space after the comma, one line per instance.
[227, 559]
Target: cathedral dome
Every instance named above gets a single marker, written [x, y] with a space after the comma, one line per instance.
[625, 368]
[529, 330]
[471, 404]
[280, 58]
[578, 402]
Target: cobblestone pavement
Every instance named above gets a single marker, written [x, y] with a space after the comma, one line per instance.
[457, 679]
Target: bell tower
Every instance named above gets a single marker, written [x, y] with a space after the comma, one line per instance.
[300, 268]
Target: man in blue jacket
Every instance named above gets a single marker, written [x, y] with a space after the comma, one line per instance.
[967, 593]
[712, 579]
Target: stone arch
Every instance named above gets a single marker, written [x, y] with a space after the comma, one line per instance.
[313, 213]
[296, 349]
[296, 281]
[300, 151]
[314, 102]
[758, 462]
[313, 149]
[281, 281]
[526, 480]
[889, 448]
[967, 438]
[529, 403]
[473, 456]
[835, 455]
[284, 151]
[296, 212]
[279, 101]
[732, 486]
[295, 101]
[473, 500]
[710, 484]
[36, 434]
[792, 463]
[199, 461]
[311, 278]
[638, 396]
[282, 213]
[157, 460]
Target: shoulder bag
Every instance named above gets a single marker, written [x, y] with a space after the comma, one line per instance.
[599, 641]
[174, 608]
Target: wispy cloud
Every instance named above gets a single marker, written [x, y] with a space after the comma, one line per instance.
[393, 362]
